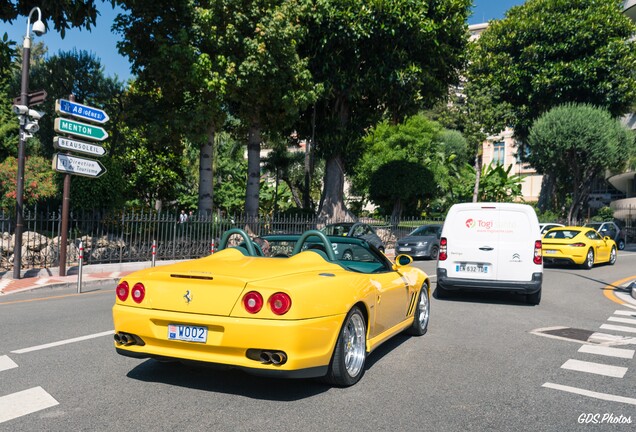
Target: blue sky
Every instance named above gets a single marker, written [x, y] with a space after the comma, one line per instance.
[102, 43]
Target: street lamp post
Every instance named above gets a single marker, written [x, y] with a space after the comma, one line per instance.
[39, 29]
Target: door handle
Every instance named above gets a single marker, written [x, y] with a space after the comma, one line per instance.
[486, 248]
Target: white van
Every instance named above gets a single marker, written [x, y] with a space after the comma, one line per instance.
[491, 246]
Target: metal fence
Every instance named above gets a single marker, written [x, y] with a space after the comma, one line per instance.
[128, 236]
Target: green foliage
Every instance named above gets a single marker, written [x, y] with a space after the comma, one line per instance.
[604, 214]
[574, 143]
[39, 181]
[105, 192]
[549, 52]
[409, 183]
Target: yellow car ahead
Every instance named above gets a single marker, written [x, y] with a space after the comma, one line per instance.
[583, 246]
[306, 315]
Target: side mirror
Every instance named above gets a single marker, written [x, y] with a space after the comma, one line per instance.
[402, 260]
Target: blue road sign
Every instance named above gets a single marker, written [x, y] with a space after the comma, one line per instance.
[84, 112]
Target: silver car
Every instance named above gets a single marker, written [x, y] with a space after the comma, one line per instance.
[421, 242]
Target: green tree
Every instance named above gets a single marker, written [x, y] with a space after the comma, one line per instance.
[549, 52]
[416, 140]
[410, 182]
[575, 143]
[375, 59]
[39, 181]
[211, 58]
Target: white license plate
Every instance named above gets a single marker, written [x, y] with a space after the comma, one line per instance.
[471, 268]
[187, 333]
[405, 249]
[550, 251]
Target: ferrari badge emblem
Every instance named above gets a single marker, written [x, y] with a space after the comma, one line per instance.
[188, 297]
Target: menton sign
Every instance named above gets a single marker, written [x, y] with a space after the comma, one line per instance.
[84, 130]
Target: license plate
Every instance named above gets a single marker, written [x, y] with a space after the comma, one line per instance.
[550, 251]
[187, 333]
[471, 268]
[405, 249]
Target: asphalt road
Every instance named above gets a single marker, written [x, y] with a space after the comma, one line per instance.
[486, 363]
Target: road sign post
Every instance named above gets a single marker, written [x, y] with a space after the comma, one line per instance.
[76, 165]
[84, 130]
[82, 112]
[73, 165]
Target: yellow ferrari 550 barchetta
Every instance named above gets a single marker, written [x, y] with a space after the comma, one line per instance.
[300, 314]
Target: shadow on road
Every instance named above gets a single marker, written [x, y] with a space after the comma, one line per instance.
[233, 381]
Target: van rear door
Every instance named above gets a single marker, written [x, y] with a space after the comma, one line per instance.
[517, 230]
[473, 242]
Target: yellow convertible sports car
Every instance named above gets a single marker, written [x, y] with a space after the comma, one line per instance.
[308, 314]
[577, 245]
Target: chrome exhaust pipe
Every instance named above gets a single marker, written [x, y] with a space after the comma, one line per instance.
[266, 357]
[127, 339]
[117, 338]
[278, 357]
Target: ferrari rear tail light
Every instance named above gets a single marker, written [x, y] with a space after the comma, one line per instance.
[279, 303]
[122, 290]
[538, 258]
[578, 245]
[443, 248]
[253, 302]
[138, 292]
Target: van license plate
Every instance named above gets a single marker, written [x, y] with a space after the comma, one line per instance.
[187, 333]
[471, 268]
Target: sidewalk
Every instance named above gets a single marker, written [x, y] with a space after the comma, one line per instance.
[92, 276]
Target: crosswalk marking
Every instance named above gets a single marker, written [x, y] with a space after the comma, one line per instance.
[592, 394]
[595, 368]
[607, 351]
[6, 363]
[622, 320]
[625, 313]
[25, 402]
[618, 328]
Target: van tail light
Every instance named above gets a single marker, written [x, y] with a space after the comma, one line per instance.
[443, 249]
[538, 259]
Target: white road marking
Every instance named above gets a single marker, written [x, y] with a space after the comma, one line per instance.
[595, 368]
[607, 351]
[6, 363]
[592, 394]
[63, 342]
[25, 402]
[618, 328]
[625, 313]
[622, 320]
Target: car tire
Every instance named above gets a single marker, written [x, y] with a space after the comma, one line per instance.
[621, 244]
[589, 260]
[422, 313]
[434, 253]
[347, 255]
[349, 355]
[612, 259]
[534, 298]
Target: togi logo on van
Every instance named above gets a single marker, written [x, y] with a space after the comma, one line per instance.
[480, 224]
[470, 223]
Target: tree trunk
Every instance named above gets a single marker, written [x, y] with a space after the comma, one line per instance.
[253, 172]
[478, 164]
[206, 175]
[332, 204]
[397, 212]
[546, 195]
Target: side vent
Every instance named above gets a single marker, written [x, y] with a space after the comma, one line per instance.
[183, 276]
